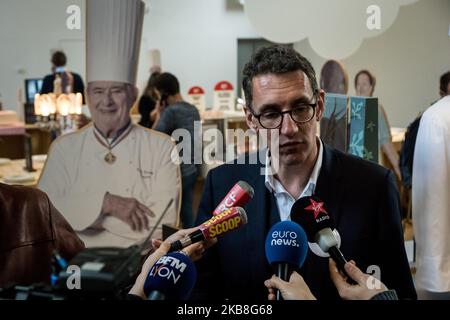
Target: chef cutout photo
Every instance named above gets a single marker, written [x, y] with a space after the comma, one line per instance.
[113, 179]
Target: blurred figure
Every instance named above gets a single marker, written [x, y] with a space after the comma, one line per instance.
[147, 102]
[430, 202]
[407, 152]
[334, 78]
[174, 113]
[69, 82]
[365, 86]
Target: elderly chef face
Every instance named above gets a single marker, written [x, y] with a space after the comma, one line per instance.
[110, 103]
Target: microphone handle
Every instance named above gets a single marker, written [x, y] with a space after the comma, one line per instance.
[283, 271]
[340, 260]
[194, 237]
[156, 295]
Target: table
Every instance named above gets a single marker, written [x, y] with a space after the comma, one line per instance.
[16, 167]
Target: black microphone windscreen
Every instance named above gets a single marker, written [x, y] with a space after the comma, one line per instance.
[312, 215]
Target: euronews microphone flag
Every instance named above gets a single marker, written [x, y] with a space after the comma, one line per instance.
[172, 277]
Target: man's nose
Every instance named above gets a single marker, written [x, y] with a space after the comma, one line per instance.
[289, 127]
[107, 98]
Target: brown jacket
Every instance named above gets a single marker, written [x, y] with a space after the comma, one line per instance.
[30, 229]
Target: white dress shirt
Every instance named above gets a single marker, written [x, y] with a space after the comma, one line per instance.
[284, 199]
[431, 199]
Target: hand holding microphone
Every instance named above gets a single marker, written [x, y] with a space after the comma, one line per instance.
[226, 221]
[295, 289]
[286, 249]
[194, 251]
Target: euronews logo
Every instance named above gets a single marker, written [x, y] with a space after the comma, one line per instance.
[284, 238]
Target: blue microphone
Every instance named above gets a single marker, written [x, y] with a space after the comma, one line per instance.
[286, 249]
[171, 278]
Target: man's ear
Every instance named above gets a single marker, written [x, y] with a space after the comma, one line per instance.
[249, 119]
[320, 107]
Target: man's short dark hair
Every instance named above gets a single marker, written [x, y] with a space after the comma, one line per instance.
[167, 84]
[275, 59]
[59, 59]
[445, 80]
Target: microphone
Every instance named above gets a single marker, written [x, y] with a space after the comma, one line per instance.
[311, 214]
[226, 221]
[286, 249]
[172, 277]
[238, 196]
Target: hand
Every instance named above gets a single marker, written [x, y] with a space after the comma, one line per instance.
[194, 251]
[129, 210]
[359, 291]
[295, 289]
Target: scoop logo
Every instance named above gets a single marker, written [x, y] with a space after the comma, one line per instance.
[169, 268]
[284, 238]
[224, 226]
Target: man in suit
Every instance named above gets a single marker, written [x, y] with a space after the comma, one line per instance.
[283, 100]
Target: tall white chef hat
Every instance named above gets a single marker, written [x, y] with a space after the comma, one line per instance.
[113, 38]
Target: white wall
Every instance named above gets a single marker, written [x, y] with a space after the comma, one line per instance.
[198, 43]
[407, 59]
[197, 40]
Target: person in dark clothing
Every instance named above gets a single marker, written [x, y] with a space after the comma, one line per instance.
[71, 82]
[147, 102]
[174, 113]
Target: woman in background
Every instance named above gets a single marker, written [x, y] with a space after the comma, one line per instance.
[365, 86]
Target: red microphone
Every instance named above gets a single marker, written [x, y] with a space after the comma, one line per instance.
[238, 196]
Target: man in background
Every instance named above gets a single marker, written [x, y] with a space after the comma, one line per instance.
[430, 202]
[70, 82]
[173, 113]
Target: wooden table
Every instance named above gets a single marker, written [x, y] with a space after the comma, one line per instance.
[16, 167]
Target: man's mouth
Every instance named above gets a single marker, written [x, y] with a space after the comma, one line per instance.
[112, 110]
[290, 144]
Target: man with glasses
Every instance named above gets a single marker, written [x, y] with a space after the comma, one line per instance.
[285, 105]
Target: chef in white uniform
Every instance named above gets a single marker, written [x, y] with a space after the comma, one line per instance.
[112, 180]
[431, 202]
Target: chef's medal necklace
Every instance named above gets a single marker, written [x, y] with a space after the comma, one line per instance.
[110, 158]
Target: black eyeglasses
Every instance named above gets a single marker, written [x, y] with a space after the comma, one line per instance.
[301, 113]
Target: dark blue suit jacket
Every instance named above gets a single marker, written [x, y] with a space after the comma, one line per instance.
[362, 198]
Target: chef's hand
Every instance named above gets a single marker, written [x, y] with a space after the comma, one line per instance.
[129, 210]
[194, 252]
